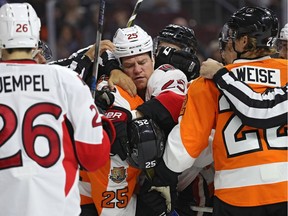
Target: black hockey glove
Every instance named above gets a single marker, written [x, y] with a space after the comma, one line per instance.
[104, 98]
[120, 118]
[184, 61]
[151, 203]
[109, 128]
[165, 182]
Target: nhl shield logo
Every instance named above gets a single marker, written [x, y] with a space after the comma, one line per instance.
[118, 174]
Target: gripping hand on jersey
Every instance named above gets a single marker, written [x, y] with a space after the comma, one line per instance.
[120, 118]
[183, 60]
[104, 98]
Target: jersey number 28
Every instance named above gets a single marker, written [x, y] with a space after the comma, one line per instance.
[240, 139]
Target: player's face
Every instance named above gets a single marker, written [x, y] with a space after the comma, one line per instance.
[228, 54]
[282, 48]
[139, 68]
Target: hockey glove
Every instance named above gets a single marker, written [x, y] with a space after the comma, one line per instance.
[104, 99]
[165, 182]
[151, 203]
[109, 128]
[120, 117]
[184, 61]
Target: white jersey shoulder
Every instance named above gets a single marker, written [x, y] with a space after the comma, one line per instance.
[166, 78]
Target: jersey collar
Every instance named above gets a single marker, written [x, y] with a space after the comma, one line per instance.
[20, 61]
[251, 60]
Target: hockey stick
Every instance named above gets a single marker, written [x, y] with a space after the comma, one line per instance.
[134, 13]
[202, 209]
[97, 46]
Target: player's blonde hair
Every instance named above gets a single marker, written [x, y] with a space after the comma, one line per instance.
[254, 51]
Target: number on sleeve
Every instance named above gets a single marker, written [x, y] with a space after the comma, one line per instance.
[171, 84]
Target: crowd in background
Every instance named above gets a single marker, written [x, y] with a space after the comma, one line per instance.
[75, 21]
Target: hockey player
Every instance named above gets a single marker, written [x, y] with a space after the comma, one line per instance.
[167, 86]
[49, 125]
[175, 45]
[112, 187]
[244, 183]
[265, 110]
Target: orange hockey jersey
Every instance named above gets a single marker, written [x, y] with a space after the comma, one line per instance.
[250, 163]
[111, 187]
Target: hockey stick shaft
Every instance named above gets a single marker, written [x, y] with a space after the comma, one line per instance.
[134, 13]
[202, 209]
[97, 46]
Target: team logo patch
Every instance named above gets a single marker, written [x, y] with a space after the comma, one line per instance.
[118, 174]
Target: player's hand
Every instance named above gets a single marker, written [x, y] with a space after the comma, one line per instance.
[151, 203]
[109, 128]
[120, 118]
[104, 98]
[165, 182]
[184, 61]
[117, 77]
[209, 68]
[104, 45]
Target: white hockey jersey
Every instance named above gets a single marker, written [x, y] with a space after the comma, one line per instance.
[40, 151]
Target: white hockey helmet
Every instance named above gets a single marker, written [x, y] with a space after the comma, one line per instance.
[19, 26]
[132, 41]
[284, 33]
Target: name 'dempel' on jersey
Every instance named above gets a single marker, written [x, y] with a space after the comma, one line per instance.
[23, 83]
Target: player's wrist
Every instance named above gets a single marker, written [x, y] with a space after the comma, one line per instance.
[86, 59]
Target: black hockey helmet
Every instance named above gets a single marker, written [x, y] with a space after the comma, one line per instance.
[223, 37]
[45, 50]
[147, 143]
[260, 23]
[179, 35]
